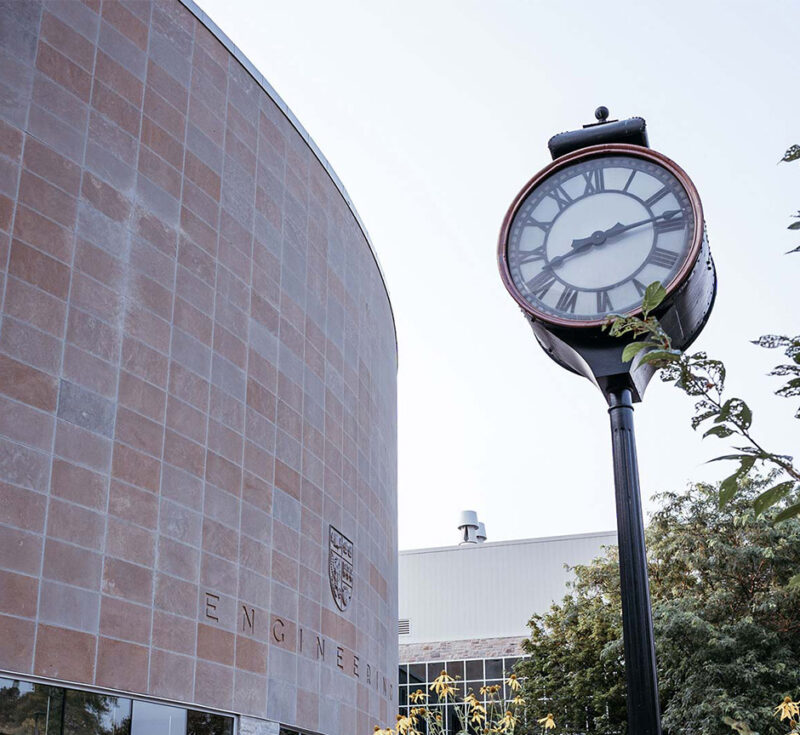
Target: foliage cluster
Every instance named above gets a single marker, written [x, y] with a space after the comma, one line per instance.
[703, 378]
[727, 624]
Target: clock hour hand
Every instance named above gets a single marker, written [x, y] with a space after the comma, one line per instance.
[600, 236]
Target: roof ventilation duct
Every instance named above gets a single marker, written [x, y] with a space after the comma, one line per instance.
[468, 525]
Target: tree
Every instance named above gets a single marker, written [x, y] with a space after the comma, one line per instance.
[703, 378]
[727, 623]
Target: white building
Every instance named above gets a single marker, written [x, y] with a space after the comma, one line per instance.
[465, 608]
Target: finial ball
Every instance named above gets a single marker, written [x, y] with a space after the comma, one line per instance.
[601, 113]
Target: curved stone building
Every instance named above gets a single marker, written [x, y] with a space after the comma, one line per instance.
[197, 394]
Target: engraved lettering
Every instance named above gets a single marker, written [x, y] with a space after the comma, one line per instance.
[249, 618]
[211, 606]
[340, 657]
[277, 630]
[320, 648]
[300, 640]
[355, 666]
[369, 674]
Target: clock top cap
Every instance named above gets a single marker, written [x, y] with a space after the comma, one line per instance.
[632, 131]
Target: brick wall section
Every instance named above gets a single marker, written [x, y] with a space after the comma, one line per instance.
[197, 377]
[456, 650]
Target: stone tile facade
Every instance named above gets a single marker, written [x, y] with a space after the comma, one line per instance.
[466, 649]
[197, 379]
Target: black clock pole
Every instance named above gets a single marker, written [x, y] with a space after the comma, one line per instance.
[582, 346]
[637, 621]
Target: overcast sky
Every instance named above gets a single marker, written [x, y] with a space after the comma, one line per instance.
[434, 114]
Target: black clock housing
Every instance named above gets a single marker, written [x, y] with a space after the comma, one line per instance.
[577, 341]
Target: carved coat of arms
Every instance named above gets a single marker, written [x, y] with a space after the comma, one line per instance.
[340, 567]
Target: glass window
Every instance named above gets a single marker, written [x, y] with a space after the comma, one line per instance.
[494, 668]
[89, 713]
[416, 673]
[36, 709]
[403, 674]
[435, 669]
[475, 670]
[455, 669]
[510, 663]
[157, 719]
[204, 723]
[30, 709]
[452, 719]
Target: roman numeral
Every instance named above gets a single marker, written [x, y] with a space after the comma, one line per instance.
[640, 287]
[594, 181]
[629, 181]
[670, 225]
[562, 199]
[540, 284]
[662, 257]
[660, 194]
[603, 302]
[568, 300]
[529, 257]
[544, 226]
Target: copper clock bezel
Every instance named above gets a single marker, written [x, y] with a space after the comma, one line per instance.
[585, 154]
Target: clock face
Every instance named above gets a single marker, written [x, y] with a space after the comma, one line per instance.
[588, 239]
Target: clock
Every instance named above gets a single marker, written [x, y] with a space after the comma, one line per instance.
[588, 233]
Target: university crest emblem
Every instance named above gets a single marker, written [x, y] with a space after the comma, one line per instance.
[340, 567]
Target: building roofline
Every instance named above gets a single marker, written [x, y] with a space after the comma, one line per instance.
[514, 542]
[261, 80]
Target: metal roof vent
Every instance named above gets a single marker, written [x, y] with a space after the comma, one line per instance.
[481, 534]
[468, 525]
[403, 626]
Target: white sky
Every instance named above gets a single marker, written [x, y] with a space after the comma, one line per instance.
[434, 114]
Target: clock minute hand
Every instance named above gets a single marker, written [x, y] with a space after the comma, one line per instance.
[600, 236]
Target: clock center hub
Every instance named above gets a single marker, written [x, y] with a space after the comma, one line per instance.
[619, 257]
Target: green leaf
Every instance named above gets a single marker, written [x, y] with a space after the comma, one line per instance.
[793, 250]
[727, 456]
[654, 294]
[786, 513]
[794, 226]
[730, 485]
[633, 349]
[792, 154]
[728, 488]
[794, 581]
[736, 411]
[703, 416]
[769, 497]
[792, 388]
[659, 355]
[720, 431]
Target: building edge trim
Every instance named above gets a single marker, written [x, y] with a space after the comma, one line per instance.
[513, 542]
[261, 80]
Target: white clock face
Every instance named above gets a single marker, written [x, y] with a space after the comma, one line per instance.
[592, 236]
